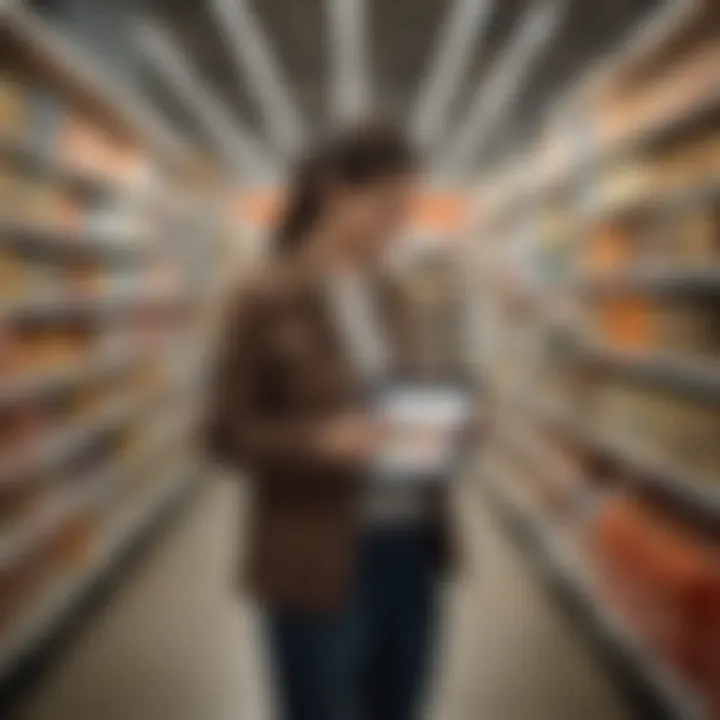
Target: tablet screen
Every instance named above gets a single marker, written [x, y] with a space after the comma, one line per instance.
[423, 428]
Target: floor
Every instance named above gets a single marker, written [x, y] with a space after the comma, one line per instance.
[175, 644]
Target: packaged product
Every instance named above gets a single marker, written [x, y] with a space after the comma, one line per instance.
[74, 543]
[610, 250]
[696, 236]
[663, 577]
[689, 328]
[627, 322]
[19, 498]
[21, 585]
[16, 277]
[14, 114]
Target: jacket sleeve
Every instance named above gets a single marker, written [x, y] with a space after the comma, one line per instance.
[242, 432]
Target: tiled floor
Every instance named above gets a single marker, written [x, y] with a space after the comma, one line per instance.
[175, 644]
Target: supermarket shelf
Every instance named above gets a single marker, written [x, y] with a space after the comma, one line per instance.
[63, 304]
[691, 196]
[538, 455]
[565, 568]
[16, 544]
[694, 377]
[639, 138]
[634, 142]
[57, 510]
[45, 381]
[693, 495]
[23, 153]
[53, 610]
[661, 130]
[670, 280]
[74, 243]
[46, 451]
[52, 56]
[51, 518]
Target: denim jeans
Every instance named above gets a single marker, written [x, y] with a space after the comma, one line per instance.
[370, 659]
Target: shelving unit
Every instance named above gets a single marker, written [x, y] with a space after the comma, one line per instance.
[690, 376]
[39, 161]
[656, 280]
[569, 573]
[596, 281]
[86, 243]
[112, 260]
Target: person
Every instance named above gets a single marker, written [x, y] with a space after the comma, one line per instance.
[346, 568]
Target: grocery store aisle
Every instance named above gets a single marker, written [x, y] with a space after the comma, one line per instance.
[175, 645]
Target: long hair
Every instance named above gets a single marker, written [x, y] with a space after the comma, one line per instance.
[355, 157]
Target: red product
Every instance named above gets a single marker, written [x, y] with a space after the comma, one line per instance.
[665, 579]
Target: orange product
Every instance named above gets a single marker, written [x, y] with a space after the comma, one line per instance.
[84, 146]
[665, 577]
[12, 352]
[627, 323]
[610, 250]
[20, 425]
[128, 162]
[87, 279]
[69, 214]
[16, 278]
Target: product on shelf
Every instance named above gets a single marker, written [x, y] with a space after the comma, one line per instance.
[72, 546]
[685, 328]
[19, 497]
[695, 236]
[21, 584]
[72, 165]
[32, 348]
[692, 440]
[88, 279]
[18, 278]
[20, 425]
[667, 428]
[676, 93]
[14, 109]
[663, 576]
[630, 238]
[85, 146]
[609, 250]
[88, 400]
[689, 328]
[626, 322]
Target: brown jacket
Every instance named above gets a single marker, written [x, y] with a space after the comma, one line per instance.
[282, 373]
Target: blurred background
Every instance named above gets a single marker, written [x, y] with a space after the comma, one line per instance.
[566, 244]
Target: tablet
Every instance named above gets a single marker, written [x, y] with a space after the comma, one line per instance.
[425, 426]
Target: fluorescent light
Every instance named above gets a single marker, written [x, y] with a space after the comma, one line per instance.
[502, 84]
[465, 21]
[349, 89]
[228, 135]
[249, 46]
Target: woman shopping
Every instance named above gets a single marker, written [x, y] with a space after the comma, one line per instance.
[344, 564]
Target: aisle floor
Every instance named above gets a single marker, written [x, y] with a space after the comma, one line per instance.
[176, 644]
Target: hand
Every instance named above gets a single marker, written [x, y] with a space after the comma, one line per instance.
[349, 437]
[479, 427]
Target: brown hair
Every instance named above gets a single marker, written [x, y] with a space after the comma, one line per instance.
[355, 157]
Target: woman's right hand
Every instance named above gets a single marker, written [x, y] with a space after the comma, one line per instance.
[349, 437]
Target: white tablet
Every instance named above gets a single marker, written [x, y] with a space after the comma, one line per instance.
[424, 425]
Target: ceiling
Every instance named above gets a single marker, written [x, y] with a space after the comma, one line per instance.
[401, 43]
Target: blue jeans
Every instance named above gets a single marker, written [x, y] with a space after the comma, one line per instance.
[369, 660]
